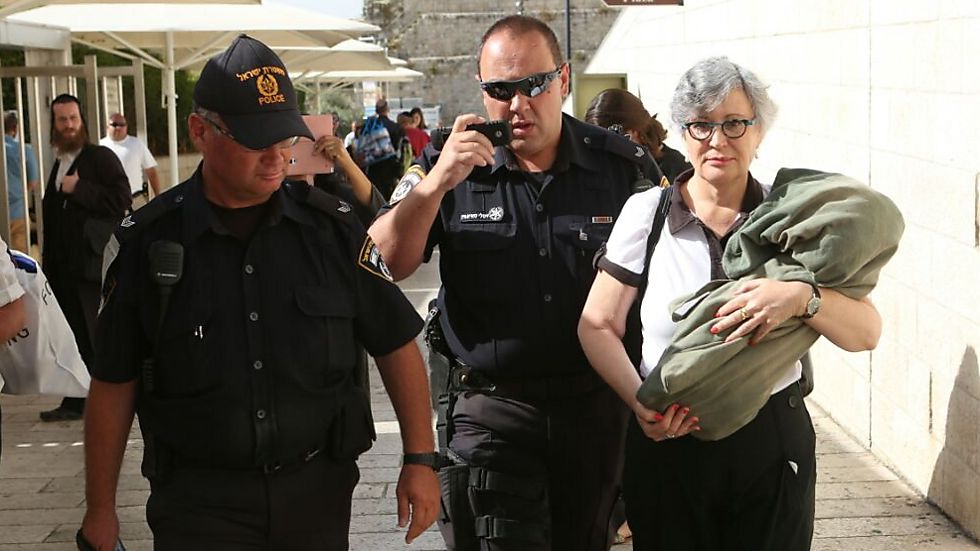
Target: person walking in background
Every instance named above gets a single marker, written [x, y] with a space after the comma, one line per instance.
[416, 137]
[87, 195]
[418, 119]
[135, 157]
[15, 183]
[752, 490]
[242, 374]
[384, 174]
[533, 434]
[620, 110]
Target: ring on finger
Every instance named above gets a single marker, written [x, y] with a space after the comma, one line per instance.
[744, 313]
[669, 435]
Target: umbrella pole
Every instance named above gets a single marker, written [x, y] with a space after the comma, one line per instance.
[170, 96]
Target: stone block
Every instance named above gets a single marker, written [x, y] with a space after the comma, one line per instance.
[938, 542]
[872, 507]
[928, 524]
[864, 490]
[373, 541]
[30, 533]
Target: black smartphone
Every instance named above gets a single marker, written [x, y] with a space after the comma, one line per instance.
[498, 132]
[84, 545]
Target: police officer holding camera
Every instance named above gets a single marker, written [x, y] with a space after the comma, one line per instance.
[534, 438]
[234, 306]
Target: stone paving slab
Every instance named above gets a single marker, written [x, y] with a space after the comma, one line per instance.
[861, 505]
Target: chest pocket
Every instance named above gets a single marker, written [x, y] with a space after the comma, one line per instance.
[585, 235]
[484, 257]
[186, 365]
[323, 341]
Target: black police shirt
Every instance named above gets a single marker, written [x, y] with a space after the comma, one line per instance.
[516, 249]
[260, 336]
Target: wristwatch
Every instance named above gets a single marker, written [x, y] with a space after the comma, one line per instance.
[812, 305]
[430, 459]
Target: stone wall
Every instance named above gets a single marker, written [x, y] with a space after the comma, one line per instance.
[886, 91]
[440, 39]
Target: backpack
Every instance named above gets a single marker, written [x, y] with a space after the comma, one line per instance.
[374, 144]
[406, 155]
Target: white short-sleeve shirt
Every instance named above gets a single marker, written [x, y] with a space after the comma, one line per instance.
[10, 289]
[134, 156]
[680, 265]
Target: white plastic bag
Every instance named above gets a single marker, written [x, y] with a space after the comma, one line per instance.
[42, 358]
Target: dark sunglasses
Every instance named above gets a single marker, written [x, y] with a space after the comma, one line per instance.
[117, 124]
[530, 86]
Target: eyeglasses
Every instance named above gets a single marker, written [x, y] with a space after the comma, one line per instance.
[117, 124]
[733, 129]
[530, 86]
[285, 144]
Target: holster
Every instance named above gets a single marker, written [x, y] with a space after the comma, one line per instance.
[456, 521]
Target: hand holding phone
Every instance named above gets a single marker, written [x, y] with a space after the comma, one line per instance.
[498, 132]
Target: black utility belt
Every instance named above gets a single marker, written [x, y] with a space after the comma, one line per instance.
[466, 379]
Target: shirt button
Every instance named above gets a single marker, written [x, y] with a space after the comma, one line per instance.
[249, 269]
[547, 297]
[260, 414]
[539, 207]
[257, 365]
[254, 316]
[542, 252]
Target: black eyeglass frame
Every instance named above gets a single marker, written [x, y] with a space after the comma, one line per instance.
[118, 124]
[530, 86]
[726, 128]
[285, 144]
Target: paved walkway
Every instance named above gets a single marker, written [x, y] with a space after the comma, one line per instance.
[861, 505]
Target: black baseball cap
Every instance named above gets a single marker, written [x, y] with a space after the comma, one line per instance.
[248, 85]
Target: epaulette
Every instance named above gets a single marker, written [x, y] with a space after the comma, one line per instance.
[322, 201]
[648, 172]
[141, 218]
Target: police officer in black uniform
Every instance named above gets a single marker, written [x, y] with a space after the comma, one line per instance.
[534, 436]
[232, 313]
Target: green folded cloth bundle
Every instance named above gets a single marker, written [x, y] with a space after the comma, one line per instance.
[821, 228]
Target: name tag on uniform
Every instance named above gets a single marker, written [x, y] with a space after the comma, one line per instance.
[602, 219]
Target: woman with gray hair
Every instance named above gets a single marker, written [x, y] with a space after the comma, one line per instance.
[754, 489]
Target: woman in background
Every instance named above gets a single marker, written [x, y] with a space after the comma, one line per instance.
[614, 107]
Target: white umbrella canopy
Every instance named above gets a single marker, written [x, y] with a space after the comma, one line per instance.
[192, 31]
[7, 8]
[397, 74]
[349, 55]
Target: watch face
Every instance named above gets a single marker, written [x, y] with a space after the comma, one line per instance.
[812, 307]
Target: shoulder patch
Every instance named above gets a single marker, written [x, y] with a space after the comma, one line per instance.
[148, 213]
[322, 201]
[370, 260]
[624, 147]
[412, 177]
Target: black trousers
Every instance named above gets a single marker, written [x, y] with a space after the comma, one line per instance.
[304, 508]
[79, 300]
[752, 491]
[551, 468]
